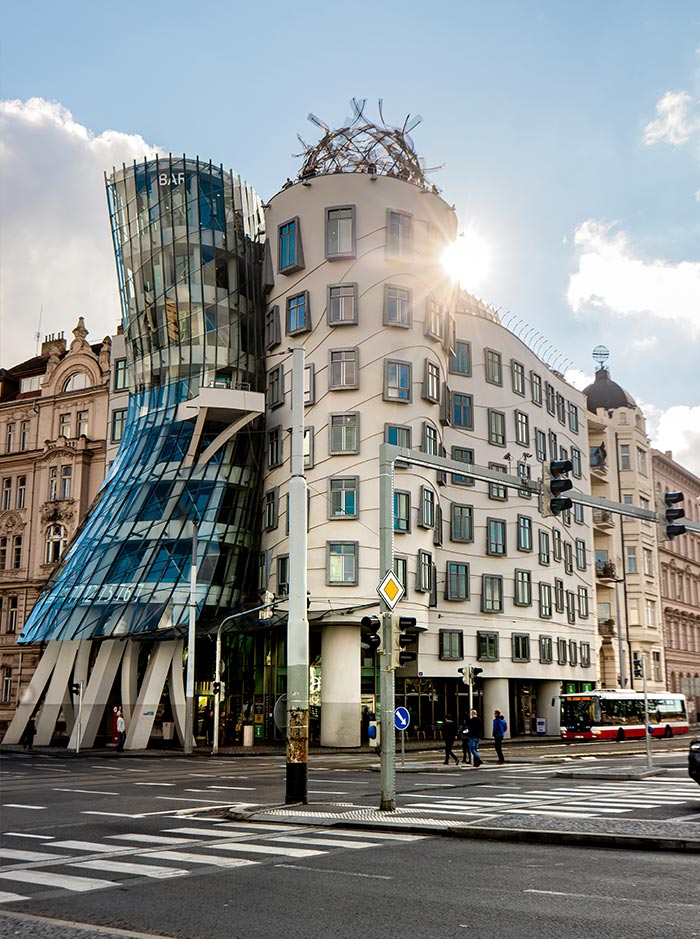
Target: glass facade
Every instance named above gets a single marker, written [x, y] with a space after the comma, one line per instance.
[188, 246]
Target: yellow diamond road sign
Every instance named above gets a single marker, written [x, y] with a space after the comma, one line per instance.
[390, 589]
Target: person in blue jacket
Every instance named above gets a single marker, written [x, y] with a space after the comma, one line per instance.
[499, 730]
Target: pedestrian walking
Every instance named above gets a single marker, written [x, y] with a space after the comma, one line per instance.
[121, 730]
[499, 730]
[475, 728]
[449, 732]
[29, 734]
[464, 737]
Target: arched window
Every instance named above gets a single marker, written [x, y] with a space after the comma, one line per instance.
[56, 539]
[77, 381]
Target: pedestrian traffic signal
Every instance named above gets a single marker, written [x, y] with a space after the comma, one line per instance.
[553, 485]
[372, 639]
[476, 671]
[638, 665]
[667, 516]
[217, 687]
[405, 635]
[75, 687]
[465, 674]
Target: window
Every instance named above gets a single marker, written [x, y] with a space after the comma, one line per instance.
[399, 241]
[16, 552]
[457, 581]
[402, 511]
[540, 445]
[9, 438]
[431, 382]
[549, 397]
[561, 408]
[33, 383]
[578, 513]
[641, 462]
[342, 563]
[21, 496]
[544, 546]
[648, 562]
[463, 411]
[24, 435]
[496, 490]
[64, 422]
[427, 513]
[344, 433]
[463, 455]
[536, 388]
[523, 588]
[496, 537]
[6, 684]
[121, 376]
[573, 418]
[53, 483]
[401, 571]
[553, 445]
[491, 594]
[76, 382]
[631, 559]
[397, 381]
[263, 569]
[576, 462]
[298, 319]
[309, 384]
[431, 444]
[586, 655]
[580, 554]
[625, 456]
[556, 544]
[517, 373]
[308, 447]
[342, 304]
[425, 572]
[649, 610]
[82, 427]
[344, 497]
[545, 600]
[494, 370]
[340, 232]
[397, 306]
[546, 651]
[434, 324]
[275, 387]
[497, 428]
[451, 645]
[274, 447]
[562, 651]
[568, 557]
[522, 428]
[397, 435]
[66, 482]
[6, 494]
[462, 522]
[525, 473]
[271, 509]
[487, 646]
[583, 602]
[520, 643]
[273, 335]
[524, 533]
[291, 255]
[461, 361]
[570, 608]
[56, 539]
[283, 575]
[558, 595]
[343, 368]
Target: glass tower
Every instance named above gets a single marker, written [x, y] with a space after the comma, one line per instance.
[188, 245]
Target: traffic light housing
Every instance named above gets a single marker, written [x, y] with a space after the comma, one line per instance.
[553, 485]
[217, 687]
[371, 626]
[638, 667]
[668, 516]
[405, 636]
[75, 687]
[476, 671]
[470, 674]
[465, 674]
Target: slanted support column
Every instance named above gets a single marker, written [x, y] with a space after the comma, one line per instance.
[96, 691]
[57, 697]
[32, 693]
[138, 731]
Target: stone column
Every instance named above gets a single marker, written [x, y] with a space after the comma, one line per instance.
[340, 686]
[548, 705]
[495, 698]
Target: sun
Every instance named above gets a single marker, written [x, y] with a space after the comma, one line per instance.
[468, 260]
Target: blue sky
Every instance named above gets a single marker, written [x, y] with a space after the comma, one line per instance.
[570, 133]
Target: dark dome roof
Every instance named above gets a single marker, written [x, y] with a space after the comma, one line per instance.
[605, 393]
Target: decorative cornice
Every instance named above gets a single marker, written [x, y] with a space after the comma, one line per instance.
[11, 523]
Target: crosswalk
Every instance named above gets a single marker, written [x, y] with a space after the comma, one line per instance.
[597, 800]
[80, 866]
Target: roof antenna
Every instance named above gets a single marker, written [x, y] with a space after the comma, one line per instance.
[38, 329]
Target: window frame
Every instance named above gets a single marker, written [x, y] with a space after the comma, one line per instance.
[333, 321]
[343, 582]
[352, 364]
[406, 398]
[394, 294]
[354, 488]
[355, 415]
[340, 255]
[296, 262]
[457, 572]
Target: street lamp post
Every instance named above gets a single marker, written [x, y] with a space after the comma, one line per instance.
[191, 633]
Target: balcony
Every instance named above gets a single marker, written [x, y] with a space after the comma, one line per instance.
[605, 570]
[606, 628]
[603, 519]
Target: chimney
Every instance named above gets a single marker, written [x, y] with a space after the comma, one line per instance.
[53, 342]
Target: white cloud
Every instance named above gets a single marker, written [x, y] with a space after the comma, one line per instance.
[610, 276]
[646, 342]
[676, 429]
[56, 243]
[676, 119]
[578, 379]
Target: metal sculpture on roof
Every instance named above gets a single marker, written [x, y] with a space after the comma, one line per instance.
[363, 146]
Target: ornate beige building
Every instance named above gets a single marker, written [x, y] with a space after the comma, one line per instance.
[53, 424]
[679, 564]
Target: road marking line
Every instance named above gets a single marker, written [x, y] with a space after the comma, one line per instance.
[150, 839]
[128, 867]
[181, 799]
[11, 897]
[90, 792]
[325, 842]
[211, 859]
[248, 847]
[199, 832]
[15, 805]
[236, 788]
[25, 834]
[542, 812]
[16, 855]
[96, 846]
[154, 784]
[324, 870]
[66, 881]
[382, 835]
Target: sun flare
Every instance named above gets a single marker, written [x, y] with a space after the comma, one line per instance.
[468, 260]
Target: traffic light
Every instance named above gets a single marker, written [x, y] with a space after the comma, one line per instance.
[371, 626]
[465, 674]
[638, 666]
[405, 635]
[553, 485]
[476, 671]
[75, 687]
[217, 687]
[668, 516]
[470, 674]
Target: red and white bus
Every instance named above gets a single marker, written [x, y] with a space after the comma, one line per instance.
[619, 715]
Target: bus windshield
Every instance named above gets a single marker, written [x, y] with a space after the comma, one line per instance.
[579, 713]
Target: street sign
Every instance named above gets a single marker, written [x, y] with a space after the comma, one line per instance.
[401, 718]
[390, 589]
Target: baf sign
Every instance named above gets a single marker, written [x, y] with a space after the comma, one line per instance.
[171, 179]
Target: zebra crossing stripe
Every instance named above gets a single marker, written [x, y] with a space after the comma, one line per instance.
[250, 848]
[150, 839]
[65, 881]
[324, 842]
[14, 854]
[128, 867]
[95, 846]
[212, 859]
[11, 897]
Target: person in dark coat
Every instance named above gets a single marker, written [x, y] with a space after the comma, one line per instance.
[499, 730]
[27, 740]
[475, 729]
[449, 732]
[464, 737]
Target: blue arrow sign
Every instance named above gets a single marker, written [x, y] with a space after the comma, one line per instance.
[401, 719]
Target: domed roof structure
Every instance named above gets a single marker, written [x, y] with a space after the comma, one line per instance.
[605, 393]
